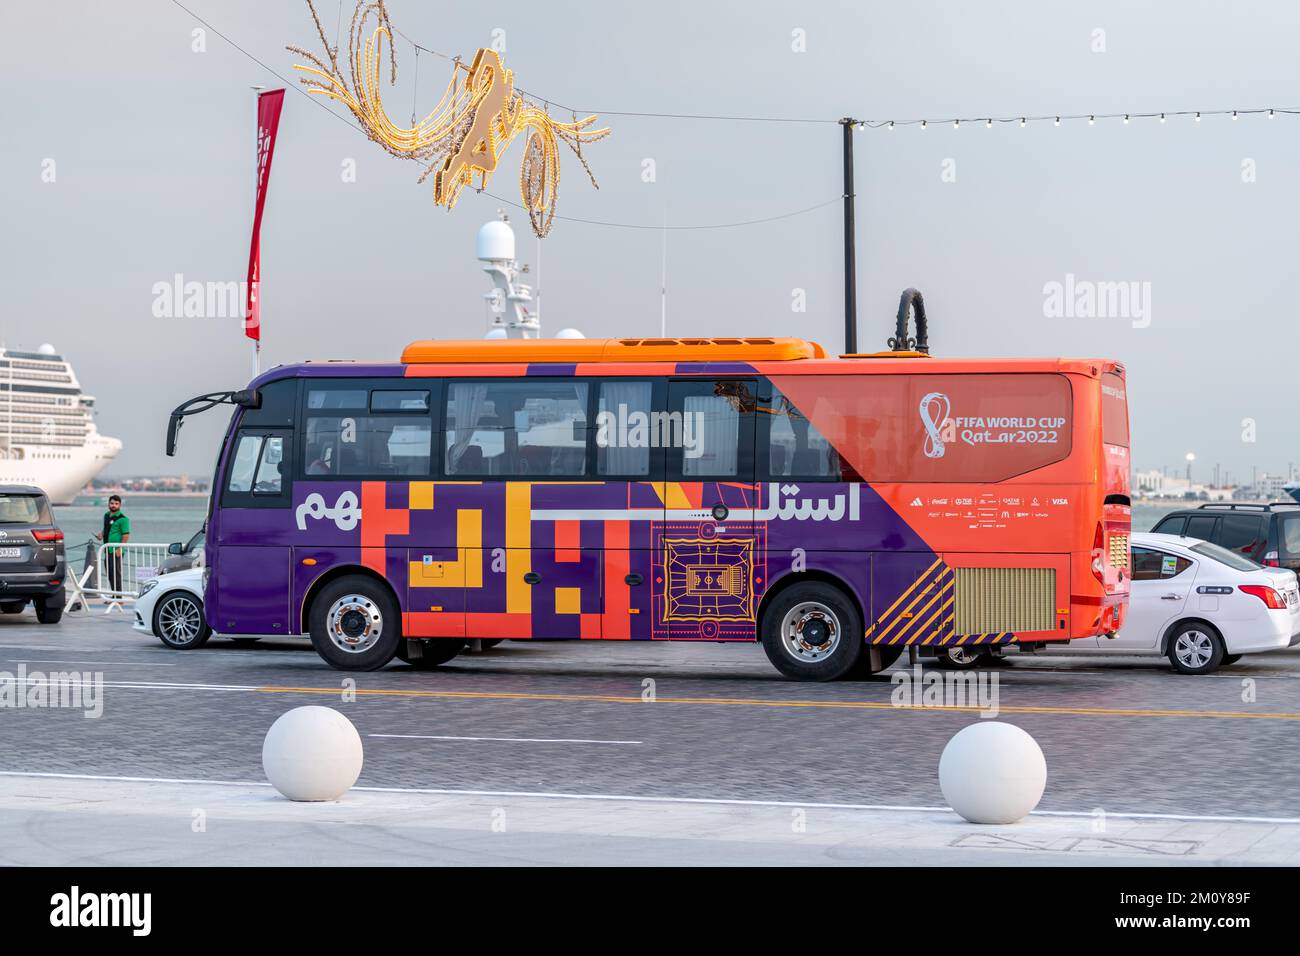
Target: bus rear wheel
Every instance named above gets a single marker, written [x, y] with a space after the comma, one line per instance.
[355, 624]
[812, 632]
[958, 658]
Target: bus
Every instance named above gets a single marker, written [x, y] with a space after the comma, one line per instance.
[839, 510]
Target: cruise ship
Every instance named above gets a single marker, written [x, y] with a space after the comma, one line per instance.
[48, 436]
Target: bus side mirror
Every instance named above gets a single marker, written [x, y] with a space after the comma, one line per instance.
[247, 398]
[173, 426]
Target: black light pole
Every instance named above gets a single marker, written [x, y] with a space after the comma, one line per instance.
[850, 255]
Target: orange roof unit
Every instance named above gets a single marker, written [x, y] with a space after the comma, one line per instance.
[610, 350]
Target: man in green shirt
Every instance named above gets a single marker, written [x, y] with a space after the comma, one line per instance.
[117, 527]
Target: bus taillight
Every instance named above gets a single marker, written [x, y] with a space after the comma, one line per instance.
[1098, 568]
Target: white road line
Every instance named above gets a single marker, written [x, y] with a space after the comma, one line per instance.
[52, 660]
[515, 740]
[715, 801]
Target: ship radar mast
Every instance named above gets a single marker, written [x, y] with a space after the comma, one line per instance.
[511, 302]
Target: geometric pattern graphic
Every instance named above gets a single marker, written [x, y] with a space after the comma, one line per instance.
[708, 579]
[923, 614]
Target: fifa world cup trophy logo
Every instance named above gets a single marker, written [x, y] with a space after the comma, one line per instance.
[934, 411]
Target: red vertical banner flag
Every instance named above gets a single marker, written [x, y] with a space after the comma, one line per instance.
[269, 105]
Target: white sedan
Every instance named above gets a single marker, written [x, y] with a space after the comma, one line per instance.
[171, 608]
[1201, 605]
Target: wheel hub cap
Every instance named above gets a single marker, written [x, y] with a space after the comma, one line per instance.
[810, 632]
[354, 623]
[1194, 649]
[179, 621]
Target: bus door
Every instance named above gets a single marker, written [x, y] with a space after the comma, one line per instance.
[708, 555]
[252, 564]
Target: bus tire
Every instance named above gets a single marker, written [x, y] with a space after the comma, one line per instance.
[433, 652]
[355, 624]
[812, 631]
[955, 657]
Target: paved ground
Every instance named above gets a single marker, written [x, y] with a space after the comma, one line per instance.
[1184, 769]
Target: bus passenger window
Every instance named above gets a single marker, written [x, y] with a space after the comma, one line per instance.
[796, 449]
[516, 429]
[245, 463]
[368, 446]
[710, 436]
[623, 422]
[354, 398]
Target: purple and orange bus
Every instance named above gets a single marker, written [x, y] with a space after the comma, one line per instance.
[837, 509]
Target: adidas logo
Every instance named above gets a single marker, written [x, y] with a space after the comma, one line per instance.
[917, 503]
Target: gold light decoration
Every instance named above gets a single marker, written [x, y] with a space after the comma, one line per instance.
[463, 136]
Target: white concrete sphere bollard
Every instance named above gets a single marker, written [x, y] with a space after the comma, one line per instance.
[992, 772]
[312, 753]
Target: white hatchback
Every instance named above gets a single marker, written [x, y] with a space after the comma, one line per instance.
[1201, 605]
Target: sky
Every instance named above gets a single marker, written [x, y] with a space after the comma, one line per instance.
[126, 158]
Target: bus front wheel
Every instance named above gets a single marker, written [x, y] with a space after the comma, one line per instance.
[812, 631]
[355, 624]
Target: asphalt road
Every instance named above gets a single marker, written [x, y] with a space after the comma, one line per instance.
[1124, 735]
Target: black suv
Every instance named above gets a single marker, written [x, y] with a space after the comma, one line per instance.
[1267, 534]
[32, 565]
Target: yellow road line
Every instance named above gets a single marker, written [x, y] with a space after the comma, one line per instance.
[754, 702]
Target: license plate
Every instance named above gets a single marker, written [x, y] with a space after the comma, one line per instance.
[1292, 597]
[11, 552]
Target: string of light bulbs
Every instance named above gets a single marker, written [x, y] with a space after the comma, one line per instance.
[1057, 119]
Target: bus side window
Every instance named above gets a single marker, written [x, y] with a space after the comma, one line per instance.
[624, 418]
[268, 473]
[391, 436]
[516, 428]
[245, 464]
[795, 448]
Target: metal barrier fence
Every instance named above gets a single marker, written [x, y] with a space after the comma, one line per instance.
[116, 572]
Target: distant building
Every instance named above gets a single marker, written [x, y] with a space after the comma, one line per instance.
[1154, 483]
